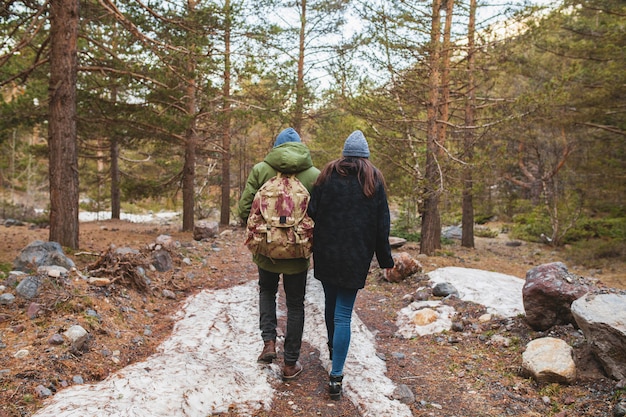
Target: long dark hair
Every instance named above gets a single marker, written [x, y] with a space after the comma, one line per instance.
[369, 176]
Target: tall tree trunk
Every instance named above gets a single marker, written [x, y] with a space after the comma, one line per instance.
[114, 155]
[298, 114]
[189, 166]
[431, 223]
[444, 101]
[225, 209]
[63, 164]
[115, 178]
[189, 175]
[191, 144]
[191, 140]
[467, 216]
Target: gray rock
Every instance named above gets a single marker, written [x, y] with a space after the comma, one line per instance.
[52, 270]
[169, 294]
[77, 336]
[403, 394]
[205, 229]
[43, 391]
[40, 253]
[452, 232]
[56, 339]
[396, 242]
[162, 260]
[602, 319]
[125, 250]
[28, 288]
[6, 299]
[167, 242]
[444, 289]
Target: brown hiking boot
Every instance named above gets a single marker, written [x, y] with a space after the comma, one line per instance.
[291, 371]
[269, 352]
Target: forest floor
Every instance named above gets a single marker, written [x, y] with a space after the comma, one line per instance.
[454, 374]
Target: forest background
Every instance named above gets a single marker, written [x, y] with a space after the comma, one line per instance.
[473, 112]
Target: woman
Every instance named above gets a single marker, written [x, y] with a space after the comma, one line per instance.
[349, 206]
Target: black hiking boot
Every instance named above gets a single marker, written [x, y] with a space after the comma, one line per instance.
[335, 387]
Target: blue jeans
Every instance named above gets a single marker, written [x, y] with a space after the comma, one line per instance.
[339, 303]
[294, 286]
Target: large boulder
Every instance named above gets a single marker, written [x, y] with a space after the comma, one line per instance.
[40, 253]
[602, 319]
[548, 293]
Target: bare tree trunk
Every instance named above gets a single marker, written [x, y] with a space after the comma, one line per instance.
[63, 164]
[225, 209]
[114, 154]
[191, 141]
[115, 178]
[298, 114]
[431, 223]
[189, 166]
[189, 175]
[444, 102]
[467, 219]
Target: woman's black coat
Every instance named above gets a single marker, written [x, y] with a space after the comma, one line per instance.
[349, 229]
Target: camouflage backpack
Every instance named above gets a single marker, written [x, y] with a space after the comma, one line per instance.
[278, 226]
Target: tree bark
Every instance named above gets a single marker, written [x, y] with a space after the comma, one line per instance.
[191, 140]
[115, 178]
[189, 166]
[431, 223]
[63, 160]
[467, 219]
[225, 209]
[298, 113]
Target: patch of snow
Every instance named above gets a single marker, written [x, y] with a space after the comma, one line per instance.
[160, 217]
[365, 382]
[407, 327]
[208, 366]
[500, 293]
[205, 367]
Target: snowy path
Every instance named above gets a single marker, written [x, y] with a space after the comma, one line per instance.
[209, 365]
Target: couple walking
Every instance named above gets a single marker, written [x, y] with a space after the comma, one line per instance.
[349, 206]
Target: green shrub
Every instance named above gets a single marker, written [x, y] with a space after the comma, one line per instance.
[483, 218]
[597, 253]
[410, 236]
[530, 226]
[485, 232]
[597, 228]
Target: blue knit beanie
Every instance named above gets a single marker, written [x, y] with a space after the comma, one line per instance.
[356, 145]
[287, 135]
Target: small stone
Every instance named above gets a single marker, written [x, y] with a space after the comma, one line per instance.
[56, 339]
[169, 294]
[22, 353]
[43, 391]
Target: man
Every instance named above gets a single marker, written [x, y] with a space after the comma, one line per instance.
[289, 155]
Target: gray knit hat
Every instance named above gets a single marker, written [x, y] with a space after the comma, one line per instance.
[356, 145]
